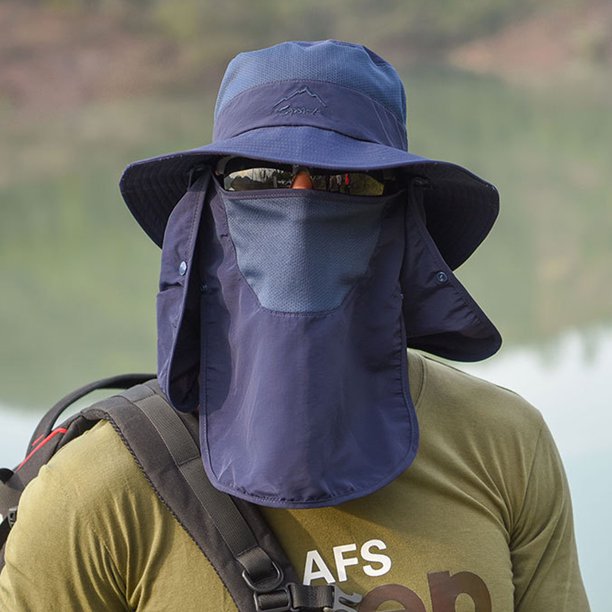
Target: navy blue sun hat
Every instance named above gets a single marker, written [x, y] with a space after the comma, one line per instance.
[325, 104]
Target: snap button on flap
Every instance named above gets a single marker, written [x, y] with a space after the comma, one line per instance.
[441, 277]
[183, 268]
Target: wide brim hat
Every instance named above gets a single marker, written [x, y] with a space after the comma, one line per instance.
[326, 104]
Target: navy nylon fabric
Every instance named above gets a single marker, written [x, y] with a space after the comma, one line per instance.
[325, 106]
[303, 409]
[178, 313]
[461, 208]
[441, 316]
[356, 67]
[300, 252]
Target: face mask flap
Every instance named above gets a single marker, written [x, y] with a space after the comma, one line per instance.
[303, 409]
[441, 316]
[305, 404]
[178, 301]
[302, 252]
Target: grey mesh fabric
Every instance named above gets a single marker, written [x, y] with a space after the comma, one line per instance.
[302, 252]
[303, 409]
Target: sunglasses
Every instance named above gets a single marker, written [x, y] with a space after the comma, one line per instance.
[249, 175]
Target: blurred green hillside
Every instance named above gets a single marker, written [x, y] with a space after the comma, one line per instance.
[57, 54]
[419, 26]
[88, 86]
[219, 29]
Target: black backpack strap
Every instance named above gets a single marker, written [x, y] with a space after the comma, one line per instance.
[123, 381]
[258, 569]
[45, 442]
[230, 532]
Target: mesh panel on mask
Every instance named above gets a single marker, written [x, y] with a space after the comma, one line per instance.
[303, 253]
[355, 67]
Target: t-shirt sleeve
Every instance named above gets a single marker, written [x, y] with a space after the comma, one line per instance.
[91, 534]
[54, 557]
[542, 545]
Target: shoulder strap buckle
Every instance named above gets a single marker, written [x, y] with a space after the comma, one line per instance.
[12, 516]
[343, 602]
[294, 597]
[265, 583]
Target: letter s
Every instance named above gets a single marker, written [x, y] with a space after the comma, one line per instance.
[368, 555]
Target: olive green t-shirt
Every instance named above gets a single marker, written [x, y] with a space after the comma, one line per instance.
[481, 522]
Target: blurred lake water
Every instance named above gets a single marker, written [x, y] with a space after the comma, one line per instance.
[79, 276]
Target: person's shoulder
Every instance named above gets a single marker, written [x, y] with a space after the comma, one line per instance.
[94, 484]
[90, 467]
[453, 393]
[480, 429]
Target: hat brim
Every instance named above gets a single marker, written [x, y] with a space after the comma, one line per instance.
[460, 207]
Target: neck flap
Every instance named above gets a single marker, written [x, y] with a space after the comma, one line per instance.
[284, 316]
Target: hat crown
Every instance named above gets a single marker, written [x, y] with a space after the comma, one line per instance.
[325, 104]
[330, 61]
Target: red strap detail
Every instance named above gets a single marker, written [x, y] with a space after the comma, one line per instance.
[37, 440]
[59, 430]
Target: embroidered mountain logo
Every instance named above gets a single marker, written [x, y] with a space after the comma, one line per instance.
[300, 102]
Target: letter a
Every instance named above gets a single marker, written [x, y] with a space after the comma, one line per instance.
[313, 557]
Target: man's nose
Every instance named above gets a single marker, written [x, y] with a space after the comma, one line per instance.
[302, 180]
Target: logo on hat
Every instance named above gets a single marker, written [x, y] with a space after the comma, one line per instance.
[300, 102]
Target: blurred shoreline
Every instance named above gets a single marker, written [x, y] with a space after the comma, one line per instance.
[60, 55]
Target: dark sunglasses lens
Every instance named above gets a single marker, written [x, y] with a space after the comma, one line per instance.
[350, 183]
[257, 178]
